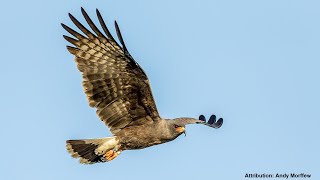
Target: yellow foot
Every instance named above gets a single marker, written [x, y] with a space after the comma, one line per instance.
[111, 154]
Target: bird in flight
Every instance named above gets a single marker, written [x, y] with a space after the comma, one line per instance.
[119, 89]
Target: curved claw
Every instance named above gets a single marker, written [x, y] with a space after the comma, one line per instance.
[217, 124]
[202, 118]
[212, 121]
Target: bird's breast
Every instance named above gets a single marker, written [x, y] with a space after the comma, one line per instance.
[139, 137]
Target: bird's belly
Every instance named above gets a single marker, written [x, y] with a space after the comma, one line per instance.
[139, 142]
[139, 137]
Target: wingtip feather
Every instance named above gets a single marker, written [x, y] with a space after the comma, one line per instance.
[72, 50]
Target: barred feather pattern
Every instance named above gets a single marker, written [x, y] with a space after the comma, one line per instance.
[113, 81]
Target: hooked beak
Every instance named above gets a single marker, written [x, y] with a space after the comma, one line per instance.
[185, 133]
[181, 130]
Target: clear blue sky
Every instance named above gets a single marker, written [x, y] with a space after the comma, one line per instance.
[254, 63]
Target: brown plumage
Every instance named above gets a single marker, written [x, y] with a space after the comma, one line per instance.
[119, 89]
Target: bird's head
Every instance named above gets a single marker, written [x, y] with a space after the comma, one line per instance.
[178, 125]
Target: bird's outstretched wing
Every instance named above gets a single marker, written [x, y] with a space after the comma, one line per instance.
[113, 81]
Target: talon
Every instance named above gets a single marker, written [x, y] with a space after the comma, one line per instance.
[111, 154]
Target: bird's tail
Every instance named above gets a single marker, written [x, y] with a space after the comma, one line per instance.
[91, 150]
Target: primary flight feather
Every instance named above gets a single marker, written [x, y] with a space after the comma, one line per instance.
[119, 89]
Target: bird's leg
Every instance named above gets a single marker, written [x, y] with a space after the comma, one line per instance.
[113, 153]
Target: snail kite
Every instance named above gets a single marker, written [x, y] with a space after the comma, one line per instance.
[119, 89]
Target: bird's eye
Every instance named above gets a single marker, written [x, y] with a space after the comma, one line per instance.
[176, 126]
